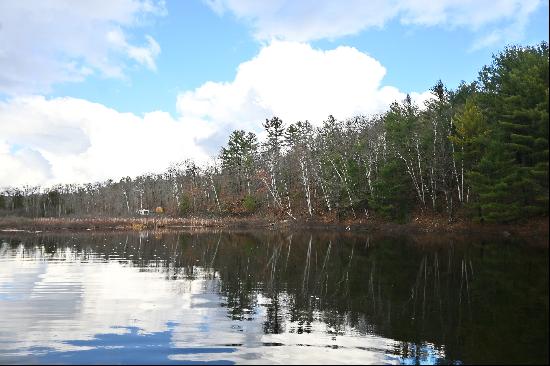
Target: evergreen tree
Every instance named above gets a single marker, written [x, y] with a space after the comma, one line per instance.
[275, 135]
[511, 179]
[394, 199]
[238, 157]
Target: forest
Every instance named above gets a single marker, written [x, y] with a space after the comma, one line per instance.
[479, 152]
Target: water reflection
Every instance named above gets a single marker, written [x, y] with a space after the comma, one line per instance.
[267, 297]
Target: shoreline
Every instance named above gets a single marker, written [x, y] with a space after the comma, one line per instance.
[536, 229]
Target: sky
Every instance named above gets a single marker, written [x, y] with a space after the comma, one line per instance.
[96, 90]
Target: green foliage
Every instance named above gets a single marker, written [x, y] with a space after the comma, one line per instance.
[250, 204]
[2, 202]
[299, 134]
[238, 157]
[393, 198]
[471, 134]
[239, 151]
[185, 205]
[275, 133]
[401, 122]
[510, 180]
[492, 181]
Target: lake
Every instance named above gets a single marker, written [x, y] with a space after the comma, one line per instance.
[270, 297]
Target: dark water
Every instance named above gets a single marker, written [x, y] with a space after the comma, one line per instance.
[268, 297]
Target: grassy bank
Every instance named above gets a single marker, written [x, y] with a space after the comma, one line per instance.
[116, 223]
[537, 229]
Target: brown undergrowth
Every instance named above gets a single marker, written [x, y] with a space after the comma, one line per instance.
[535, 230]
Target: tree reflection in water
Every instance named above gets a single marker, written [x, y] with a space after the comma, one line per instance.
[481, 301]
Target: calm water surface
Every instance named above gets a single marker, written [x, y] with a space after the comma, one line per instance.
[268, 297]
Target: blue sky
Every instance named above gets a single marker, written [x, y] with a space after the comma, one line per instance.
[178, 76]
[198, 45]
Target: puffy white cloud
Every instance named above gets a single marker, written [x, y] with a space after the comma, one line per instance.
[47, 141]
[294, 82]
[19, 167]
[316, 19]
[45, 42]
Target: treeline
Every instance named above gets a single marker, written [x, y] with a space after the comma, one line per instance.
[480, 150]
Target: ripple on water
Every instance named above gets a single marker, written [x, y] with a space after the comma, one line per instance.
[263, 297]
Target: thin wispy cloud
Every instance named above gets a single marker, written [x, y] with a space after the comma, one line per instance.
[43, 43]
[310, 20]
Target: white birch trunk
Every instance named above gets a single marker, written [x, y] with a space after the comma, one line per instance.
[306, 186]
[345, 185]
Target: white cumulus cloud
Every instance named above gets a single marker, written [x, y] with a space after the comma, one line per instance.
[52, 140]
[47, 141]
[47, 42]
[307, 20]
[294, 82]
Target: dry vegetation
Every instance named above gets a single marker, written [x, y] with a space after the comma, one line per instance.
[423, 227]
[120, 223]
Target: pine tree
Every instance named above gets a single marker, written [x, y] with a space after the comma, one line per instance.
[511, 179]
[394, 199]
[238, 157]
